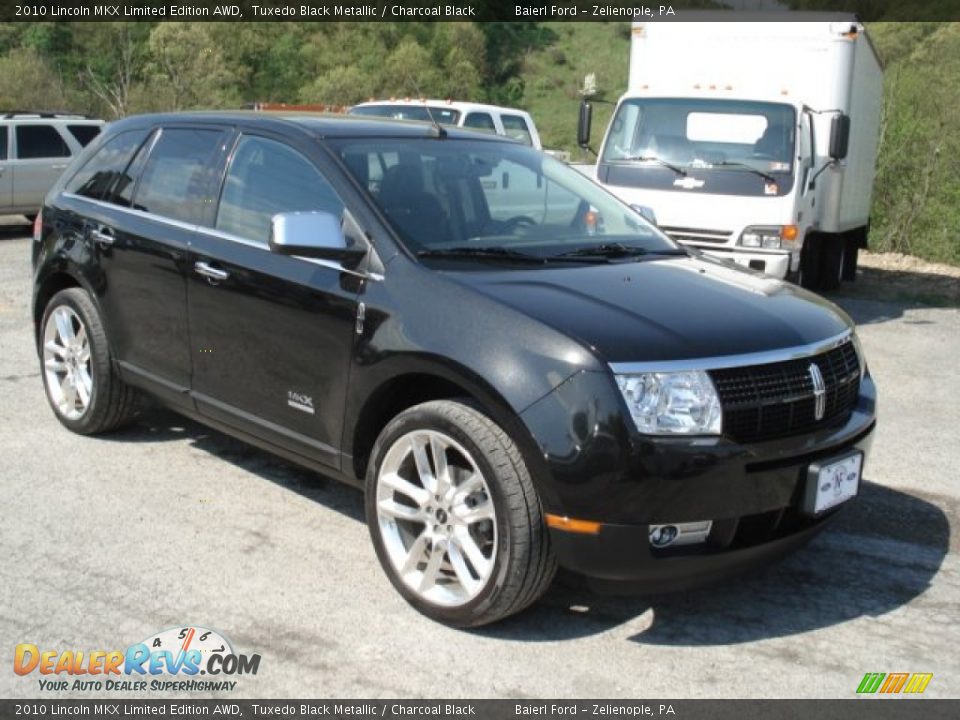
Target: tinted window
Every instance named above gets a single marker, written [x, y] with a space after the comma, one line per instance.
[3, 143]
[176, 177]
[100, 173]
[122, 193]
[516, 127]
[40, 141]
[480, 121]
[266, 178]
[443, 115]
[84, 133]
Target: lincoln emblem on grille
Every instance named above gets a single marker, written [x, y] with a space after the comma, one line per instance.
[819, 391]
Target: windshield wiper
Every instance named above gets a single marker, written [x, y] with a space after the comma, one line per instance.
[653, 158]
[493, 251]
[617, 250]
[730, 163]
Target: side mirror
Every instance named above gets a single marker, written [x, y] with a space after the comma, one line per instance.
[839, 136]
[311, 235]
[583, 126]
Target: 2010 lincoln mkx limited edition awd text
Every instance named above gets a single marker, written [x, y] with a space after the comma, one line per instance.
[519, 369]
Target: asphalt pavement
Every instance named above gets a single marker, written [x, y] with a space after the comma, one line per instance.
[106, 541]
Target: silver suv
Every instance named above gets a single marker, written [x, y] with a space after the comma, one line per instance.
[35, 147]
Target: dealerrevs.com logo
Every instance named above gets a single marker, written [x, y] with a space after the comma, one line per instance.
[171, 660]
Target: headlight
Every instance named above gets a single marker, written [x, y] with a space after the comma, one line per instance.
[672, 403]
[771, 238]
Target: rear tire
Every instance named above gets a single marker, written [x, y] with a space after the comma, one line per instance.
[463, 541]
[86, 394]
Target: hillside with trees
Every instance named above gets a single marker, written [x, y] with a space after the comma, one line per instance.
[115, 69]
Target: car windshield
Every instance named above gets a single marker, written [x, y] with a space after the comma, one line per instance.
[703, 134]
[486, 197]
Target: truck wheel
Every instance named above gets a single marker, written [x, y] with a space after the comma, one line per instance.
[82, 387]
[851, 259]
[454, 517]
[809, 273]
[834, 253]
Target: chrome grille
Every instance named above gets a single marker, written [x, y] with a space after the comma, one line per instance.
[763, 402]
[695, 235]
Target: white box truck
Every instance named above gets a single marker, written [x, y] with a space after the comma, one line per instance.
[753, 141]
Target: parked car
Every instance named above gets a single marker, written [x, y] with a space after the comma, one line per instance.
[514, 392]
[34, 149]
[506, 121]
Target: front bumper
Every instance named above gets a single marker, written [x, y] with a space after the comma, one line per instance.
[771, 262]
[611, 474]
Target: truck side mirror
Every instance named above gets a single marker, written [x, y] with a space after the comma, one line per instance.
[583, 126]
[839, 136]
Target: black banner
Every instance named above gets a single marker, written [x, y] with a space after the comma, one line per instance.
[862, 709]
[477, 10]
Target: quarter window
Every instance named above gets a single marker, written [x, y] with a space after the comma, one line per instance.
[106, 167]
[40, 141]
[84, 133]
[176, 178]
[265, 178]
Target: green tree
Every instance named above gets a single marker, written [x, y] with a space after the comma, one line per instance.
[187, 68]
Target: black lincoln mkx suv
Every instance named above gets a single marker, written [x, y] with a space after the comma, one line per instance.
[519, 369]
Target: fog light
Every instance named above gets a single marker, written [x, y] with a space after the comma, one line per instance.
[690, 533]
[662, 535]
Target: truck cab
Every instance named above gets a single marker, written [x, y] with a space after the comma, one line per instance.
[754, 142]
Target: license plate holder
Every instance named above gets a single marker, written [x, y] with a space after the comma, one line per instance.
[832, 482]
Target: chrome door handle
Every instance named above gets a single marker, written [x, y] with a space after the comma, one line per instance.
[60, 167]
[102, 235]
[210, 272]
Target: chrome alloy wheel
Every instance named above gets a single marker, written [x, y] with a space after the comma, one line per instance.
[436, 518]
[66, 363]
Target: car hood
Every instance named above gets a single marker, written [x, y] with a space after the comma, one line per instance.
[663, 309]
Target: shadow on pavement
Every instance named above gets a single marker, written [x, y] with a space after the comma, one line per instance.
[881, 553]
[882, 294]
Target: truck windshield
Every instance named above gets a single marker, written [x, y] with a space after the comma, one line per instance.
[671, 137]
[453, 194]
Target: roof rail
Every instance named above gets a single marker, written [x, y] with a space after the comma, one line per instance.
[6, 114]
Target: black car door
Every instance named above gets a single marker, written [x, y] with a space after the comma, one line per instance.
[144, 233]
[272, 335]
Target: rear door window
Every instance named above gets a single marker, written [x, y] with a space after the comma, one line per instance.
[514, 126]
[84, 133]
[100, 174]
[40, 141]
[176, 179]
[480, 121]
[267, 177]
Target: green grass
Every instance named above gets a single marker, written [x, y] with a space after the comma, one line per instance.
[552, 77]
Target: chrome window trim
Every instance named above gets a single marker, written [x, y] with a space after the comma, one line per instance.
[213, 232]
[733, 361]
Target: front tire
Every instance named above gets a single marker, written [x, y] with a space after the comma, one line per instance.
[81, 385]
[454, 517]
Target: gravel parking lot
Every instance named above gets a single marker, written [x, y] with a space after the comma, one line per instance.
[107, 540]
